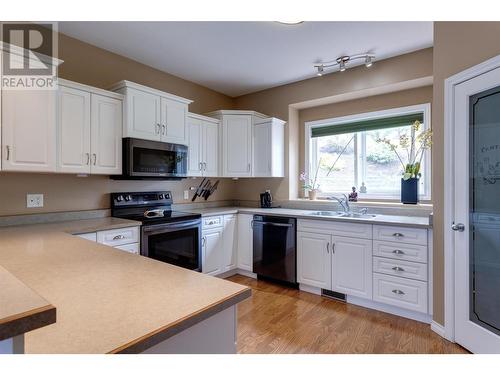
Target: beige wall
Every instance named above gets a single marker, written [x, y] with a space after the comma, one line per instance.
[419, 95]
[457, 46]
[280, 101]
[88, 64]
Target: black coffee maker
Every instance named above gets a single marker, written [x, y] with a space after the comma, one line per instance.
[266, 199]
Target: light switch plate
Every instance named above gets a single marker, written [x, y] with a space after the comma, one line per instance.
[34, 200]
[186, 194]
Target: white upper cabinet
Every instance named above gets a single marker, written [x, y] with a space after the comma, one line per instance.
[195, 149]
[106, 135]
[89, 130]
[173, 121]
[352, 266]
[203, 141]
[269, 148]
[29, 130]
[252, 144]
[73, 130]
[142, 115]
[153, 114]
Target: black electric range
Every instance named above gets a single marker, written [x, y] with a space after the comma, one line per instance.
[166, 235]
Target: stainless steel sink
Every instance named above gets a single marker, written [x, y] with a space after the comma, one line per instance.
[326, 213]
[354, 215]
[357, 215]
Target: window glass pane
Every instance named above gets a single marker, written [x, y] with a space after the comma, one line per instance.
[343, 176]
[382, 168]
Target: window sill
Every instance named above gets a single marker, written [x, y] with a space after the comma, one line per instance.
[423, 205]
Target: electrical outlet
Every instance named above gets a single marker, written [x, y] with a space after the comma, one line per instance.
[34, 200]
[186, 194]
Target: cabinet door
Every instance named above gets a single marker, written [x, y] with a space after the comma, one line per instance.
[73, 131]
[143, 115]
[29, 130]
[210, 149]
[314, 265]
[212, 248]
[229, 253]
[106, 135]
[195, 150]
[237, 146]
[352, 266]
[173, 121]
[245, 242]
[262, 150]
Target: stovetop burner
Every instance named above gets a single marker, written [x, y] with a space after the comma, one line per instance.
[150, 207]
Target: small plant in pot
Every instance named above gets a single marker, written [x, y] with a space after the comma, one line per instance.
[412, 148]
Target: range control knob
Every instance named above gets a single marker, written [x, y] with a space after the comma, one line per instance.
[128, 198]
[167, 196]
[160, 196]
[119, 198]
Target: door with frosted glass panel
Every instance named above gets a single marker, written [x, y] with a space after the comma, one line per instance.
[477, 213]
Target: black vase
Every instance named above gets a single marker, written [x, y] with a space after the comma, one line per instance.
[409, 191]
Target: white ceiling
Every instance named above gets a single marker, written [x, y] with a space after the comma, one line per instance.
[236, 58]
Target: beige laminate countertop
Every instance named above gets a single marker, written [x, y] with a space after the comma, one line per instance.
[107, 300]
[400, 220]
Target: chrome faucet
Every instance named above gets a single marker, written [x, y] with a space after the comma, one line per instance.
[344, 202]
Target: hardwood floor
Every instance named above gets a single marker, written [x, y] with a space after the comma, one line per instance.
[277, 319]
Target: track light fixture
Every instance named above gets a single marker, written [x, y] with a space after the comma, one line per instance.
[342, 62]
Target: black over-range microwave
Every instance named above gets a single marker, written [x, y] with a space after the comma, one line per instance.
[143, 159]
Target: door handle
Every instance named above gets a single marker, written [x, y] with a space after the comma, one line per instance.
[327, 247]
[164, 129]
[458, 227]
[248, 167]
[88, 157]
[204, 166]
[203, 241]
[200, 165]
[8, 152]
[95, 158]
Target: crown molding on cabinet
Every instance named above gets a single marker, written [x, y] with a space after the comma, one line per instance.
[125, 83]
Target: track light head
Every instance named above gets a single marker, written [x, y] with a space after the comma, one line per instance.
[368, 61]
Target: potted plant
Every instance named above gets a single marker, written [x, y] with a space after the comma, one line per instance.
[415, 146]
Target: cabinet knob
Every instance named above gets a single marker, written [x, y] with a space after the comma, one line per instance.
[397, 268]
[398, 292]
[399, 252]
[397, 235]
[119, 237]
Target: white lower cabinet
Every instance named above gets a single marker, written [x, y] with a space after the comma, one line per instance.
[352, 266]
[230, 235]
[245, 242]
[314, 260]
[218, 251]
[126, 239]
[212, 249]
[391, 268]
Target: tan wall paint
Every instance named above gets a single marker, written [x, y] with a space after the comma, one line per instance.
[419, 95]
[457, 46]
[279, 102]
[94, 66]
[71, 193]
[97, 67]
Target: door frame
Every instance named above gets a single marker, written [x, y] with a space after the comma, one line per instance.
[449, 176]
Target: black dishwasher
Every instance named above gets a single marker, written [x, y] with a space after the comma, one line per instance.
[274, 248]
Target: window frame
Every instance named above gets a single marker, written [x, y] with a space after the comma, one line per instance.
[310, 146]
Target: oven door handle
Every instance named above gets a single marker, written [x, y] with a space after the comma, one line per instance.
[171, 227]
[272, 224]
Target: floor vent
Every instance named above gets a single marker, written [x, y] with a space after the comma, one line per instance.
[333, 295]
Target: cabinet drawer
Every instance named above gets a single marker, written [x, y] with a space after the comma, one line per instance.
[88, 236]
[415, 236]
[117, 237]
[402, 268]
[130, 248]
[355, 230]
[414, 253]
[397, 291]
[212, 222]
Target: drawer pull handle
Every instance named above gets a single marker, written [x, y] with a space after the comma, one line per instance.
[119, 237]
[397, 235]
[401, 269]
[399, 252]
[398, 292]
